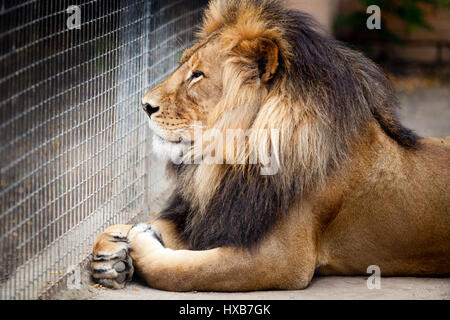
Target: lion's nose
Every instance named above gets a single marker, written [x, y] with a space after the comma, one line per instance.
[149, 108]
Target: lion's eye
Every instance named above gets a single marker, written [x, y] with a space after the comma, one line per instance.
[196, 74]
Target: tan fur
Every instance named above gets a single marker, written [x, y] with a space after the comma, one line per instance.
[383, 204]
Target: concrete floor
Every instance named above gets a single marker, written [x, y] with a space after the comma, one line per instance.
[339, 288]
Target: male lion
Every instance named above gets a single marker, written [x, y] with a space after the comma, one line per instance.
[354, 187]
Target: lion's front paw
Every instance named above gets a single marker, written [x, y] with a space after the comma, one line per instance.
[112, 265]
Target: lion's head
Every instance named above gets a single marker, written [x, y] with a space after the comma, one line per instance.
[257, 66]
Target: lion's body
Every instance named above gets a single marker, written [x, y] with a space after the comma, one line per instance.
[393, 212]
[354, 187]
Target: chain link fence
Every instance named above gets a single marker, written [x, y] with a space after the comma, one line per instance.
[75, 150]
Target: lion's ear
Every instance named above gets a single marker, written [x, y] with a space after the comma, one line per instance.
[264, 53]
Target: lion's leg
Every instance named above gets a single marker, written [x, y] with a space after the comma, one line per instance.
[112, 265]
[284, 260]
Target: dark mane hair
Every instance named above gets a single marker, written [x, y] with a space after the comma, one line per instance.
[353, 86]
[347, 91]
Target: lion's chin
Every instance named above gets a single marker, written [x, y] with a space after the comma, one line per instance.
[169, 150]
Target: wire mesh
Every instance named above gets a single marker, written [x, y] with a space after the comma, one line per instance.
[75, 150]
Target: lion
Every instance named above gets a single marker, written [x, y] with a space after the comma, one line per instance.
[354, 188]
